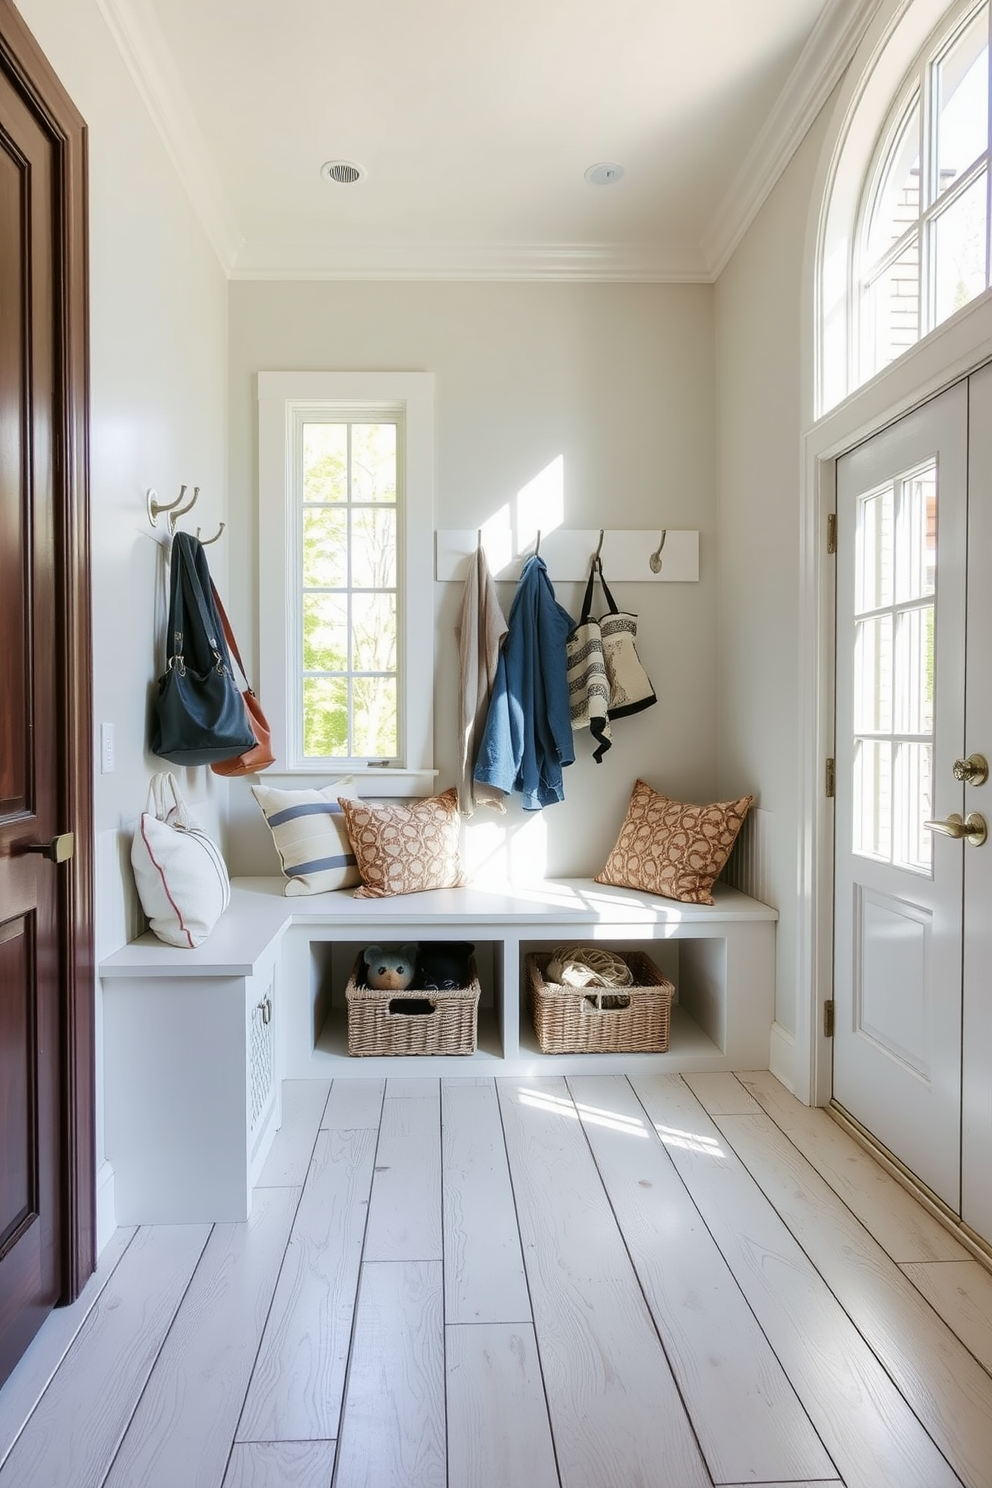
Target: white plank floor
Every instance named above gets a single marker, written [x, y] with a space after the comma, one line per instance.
[600, 1282]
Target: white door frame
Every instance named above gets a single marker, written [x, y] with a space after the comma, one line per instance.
[949, 353]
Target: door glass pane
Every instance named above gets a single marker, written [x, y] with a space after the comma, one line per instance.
[962, 101]
[959, 251]
[873, 677]
[914, 671]
[873, 798]
[893, 677]
[913, 790]
[875, 586]
[917, 537]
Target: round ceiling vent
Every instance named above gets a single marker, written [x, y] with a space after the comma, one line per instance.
[344, 172]
[604, 174]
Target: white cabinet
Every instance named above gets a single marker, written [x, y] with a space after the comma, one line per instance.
[192, 1094]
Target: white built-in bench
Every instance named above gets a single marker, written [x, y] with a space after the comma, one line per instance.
[196, 1043]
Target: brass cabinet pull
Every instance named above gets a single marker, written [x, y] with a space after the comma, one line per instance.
[973, 828]
[972, 771]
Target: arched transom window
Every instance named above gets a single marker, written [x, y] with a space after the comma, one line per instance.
[907, 239]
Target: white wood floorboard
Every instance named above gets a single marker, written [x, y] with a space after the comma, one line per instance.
[303, 1103]
[198, 1336]
[900, 1225]
[961, 1292]
[302, 1464]
[298, 1379]
[182, 1430]
[393, 1425]
[353, 1103]
[614, 1406]
[73, 1434]
[499, 1435]
[750, 1422]
[484, 1279]
[947, 1388]
[25, 1386]
[405, 1208]
[870, 1431]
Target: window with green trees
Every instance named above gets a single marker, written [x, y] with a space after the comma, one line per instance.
[349, 515]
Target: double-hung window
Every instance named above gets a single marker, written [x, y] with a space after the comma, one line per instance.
[345, 593]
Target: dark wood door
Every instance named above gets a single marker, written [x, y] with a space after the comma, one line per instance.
[46, 1094]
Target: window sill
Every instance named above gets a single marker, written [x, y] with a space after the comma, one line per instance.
[375, 780]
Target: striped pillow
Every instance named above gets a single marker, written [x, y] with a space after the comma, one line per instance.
[311, 836]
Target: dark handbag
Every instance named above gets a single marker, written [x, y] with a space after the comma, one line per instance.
[200, 715]
[261, 756]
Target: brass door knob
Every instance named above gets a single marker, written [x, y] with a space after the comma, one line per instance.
[973, 828]
[59, 850]
[972, 771]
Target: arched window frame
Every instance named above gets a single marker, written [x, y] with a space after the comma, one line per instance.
[904, 48]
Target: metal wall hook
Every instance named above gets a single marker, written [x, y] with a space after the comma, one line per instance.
[206, 541]
[175, 509]
[599, 545]
[537, 545]
[655, 558]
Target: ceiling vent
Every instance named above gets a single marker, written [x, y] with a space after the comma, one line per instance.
[343, 172]
[604, 174]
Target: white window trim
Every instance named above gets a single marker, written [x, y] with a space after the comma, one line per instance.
[281, 396]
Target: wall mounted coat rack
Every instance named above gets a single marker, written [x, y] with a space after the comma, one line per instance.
[628, 556]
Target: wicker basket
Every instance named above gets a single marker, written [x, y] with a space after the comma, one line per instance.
[596, 1020]
[377, 1023]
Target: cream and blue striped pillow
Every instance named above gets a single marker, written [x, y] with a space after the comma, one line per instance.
[311, 836]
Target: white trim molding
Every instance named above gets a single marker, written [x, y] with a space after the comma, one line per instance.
[828, 52]
[143, 49]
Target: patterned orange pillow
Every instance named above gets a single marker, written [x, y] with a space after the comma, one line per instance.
[404, 849]
[670, 848]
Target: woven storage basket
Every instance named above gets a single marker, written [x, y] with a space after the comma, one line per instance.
[375, 1026]
[602, 1020]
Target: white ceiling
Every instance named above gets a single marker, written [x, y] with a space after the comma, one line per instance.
[476, 122]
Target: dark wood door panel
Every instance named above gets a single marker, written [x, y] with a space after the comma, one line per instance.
[18, 1056]
[46, 958]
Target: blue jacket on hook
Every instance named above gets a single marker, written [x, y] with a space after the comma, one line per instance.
[528, 733]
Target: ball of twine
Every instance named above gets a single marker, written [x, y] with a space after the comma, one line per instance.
[587, 966]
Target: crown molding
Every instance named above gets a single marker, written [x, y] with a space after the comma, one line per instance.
[620, 263]
[822, 63]
[145, 54]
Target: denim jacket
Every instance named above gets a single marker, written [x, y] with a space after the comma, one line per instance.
[528, 733]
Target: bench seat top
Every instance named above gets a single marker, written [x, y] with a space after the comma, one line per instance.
[260, 912]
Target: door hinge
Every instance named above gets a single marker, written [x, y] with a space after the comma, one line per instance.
[832, 532]
[828, 1018]
[830, 779]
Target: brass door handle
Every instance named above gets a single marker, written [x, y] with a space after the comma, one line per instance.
[59, 850]
[973, 828]
[973, 771]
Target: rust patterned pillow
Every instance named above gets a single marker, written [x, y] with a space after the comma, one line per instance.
[671, 848]
[404, 849]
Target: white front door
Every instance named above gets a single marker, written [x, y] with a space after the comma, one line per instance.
[976, 1166]
[902, 501]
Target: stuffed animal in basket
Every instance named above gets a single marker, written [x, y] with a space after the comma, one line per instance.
[390, 968]
[443, 964]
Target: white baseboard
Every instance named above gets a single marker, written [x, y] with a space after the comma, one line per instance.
[781, 1056]
[106, 1206]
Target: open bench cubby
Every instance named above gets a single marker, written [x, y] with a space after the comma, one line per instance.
[197, 1042]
